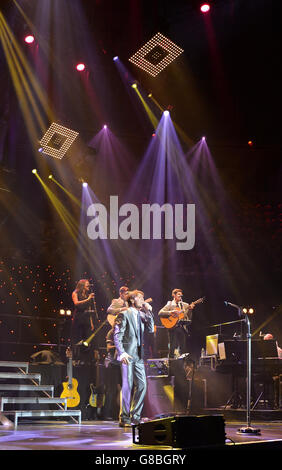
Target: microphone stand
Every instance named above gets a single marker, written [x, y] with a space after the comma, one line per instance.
[94, 303]
[248, 429]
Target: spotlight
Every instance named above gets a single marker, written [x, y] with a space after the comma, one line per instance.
[150, 95]
[134, 85]
[105, 126]
[115, 58]
[50, 177]
[203, 138]
[57, 140]
[40, 150]
[34, 171]
[248, 310]
[250, 143]
[166, 112]
[156, 54]
[80, 67]
[64, 312]
[84, 184]
[205, 7]
[29, 39]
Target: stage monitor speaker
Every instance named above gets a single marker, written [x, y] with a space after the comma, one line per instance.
[182, 431]
[159, 399]
[161, 341]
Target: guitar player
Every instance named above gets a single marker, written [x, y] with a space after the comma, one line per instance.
[119, 305]
[177, 335]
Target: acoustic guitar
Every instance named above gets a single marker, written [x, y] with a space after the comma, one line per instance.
[174, 318]
[70, 387]
[111, 317]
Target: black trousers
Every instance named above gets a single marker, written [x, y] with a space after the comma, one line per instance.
[80, 330]
[112, 382]
[178, 339]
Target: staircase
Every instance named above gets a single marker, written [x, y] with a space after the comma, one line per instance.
[43, 395]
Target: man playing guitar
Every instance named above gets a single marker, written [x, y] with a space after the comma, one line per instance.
[178, 334]
[118, 305]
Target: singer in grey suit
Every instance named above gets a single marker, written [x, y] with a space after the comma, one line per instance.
[128, 337]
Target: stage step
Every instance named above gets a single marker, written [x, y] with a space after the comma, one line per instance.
[32, 401]
[24, 387]
[62, 410]
[19, 365]
[16, 414]
[20, 375]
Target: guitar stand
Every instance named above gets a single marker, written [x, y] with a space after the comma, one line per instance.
[265, 398]
[235, 400]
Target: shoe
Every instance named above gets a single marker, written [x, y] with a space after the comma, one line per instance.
[135, 422]
[124, 424]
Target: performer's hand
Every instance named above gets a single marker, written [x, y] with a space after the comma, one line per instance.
[125, 359]
[90, 296]
[174, 313]
[123, 309]
[192, 305]
[147, 306]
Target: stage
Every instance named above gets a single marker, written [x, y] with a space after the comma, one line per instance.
[107, 436]
[135, 157]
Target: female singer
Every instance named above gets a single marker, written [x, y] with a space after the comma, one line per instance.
[82, 323]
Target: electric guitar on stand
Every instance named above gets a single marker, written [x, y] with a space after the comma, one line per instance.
[97, 396]
[174, 318]
[70, 387]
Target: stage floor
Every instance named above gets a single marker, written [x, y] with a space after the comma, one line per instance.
[108, 436]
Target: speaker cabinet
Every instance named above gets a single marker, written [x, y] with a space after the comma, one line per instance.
[182, 431]
[159, 398]
[161, 342]
[218, 388]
